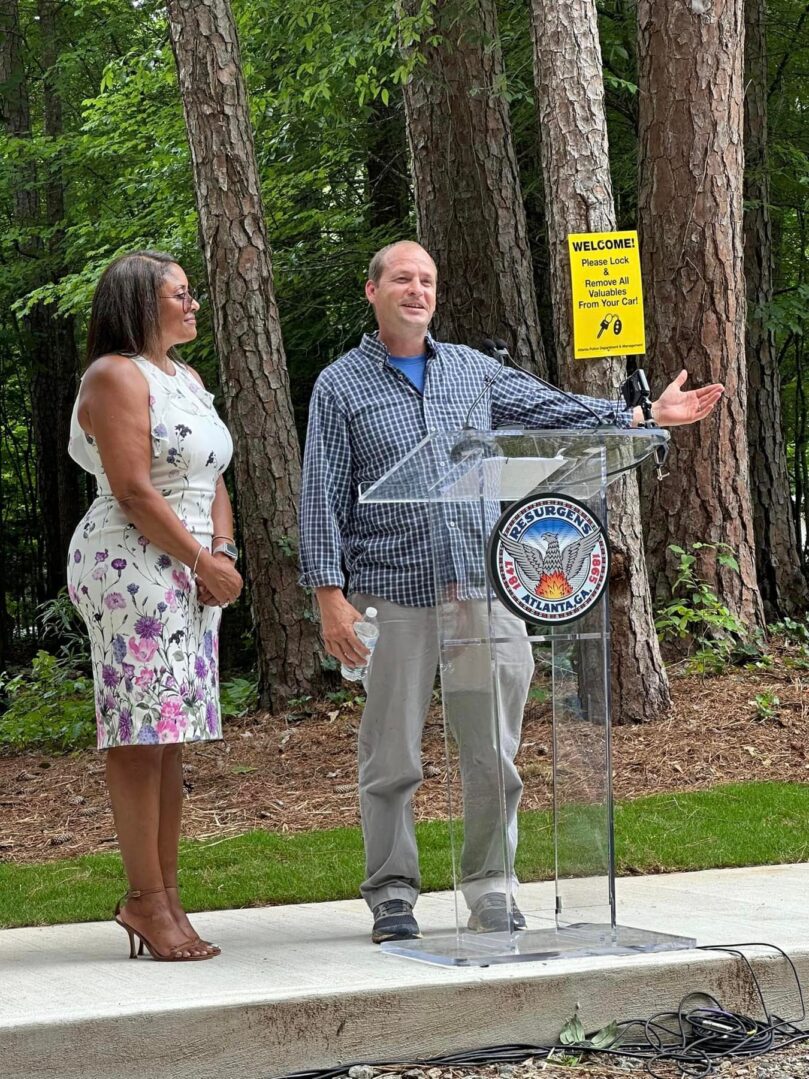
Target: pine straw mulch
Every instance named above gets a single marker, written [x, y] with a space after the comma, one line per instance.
[293, 773]
[791, 1063]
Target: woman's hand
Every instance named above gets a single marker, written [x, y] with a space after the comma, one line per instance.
[218, 581]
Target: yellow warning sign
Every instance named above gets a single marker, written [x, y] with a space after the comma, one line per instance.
[607, 294]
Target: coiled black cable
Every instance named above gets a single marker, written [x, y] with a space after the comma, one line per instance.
[693, 1040]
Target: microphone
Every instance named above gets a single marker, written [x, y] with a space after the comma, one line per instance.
[498, 349]
[501, 354]
[474, 442]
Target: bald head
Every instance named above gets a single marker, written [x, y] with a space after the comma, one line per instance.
[401, 247]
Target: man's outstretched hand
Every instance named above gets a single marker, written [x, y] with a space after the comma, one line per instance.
[676, 406]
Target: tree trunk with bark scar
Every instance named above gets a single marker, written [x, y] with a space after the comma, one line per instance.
[778, 562]
[690, 208]
[248, 338]
[467, 190]
[576, 178]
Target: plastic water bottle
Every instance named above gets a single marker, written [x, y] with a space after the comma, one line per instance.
[367, 631]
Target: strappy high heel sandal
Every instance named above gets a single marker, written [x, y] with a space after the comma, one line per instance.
[173, 955]
[207, 943]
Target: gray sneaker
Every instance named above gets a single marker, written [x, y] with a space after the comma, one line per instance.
[490, 914]
[393, 920]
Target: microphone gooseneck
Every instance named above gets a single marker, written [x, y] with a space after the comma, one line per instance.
[499, 350]
[490, 348]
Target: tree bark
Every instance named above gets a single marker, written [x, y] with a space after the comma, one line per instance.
[690, 210]
[248, 339]
[388, 188]
[467, 190]
[778, 562]
[576, 178]
[801, 509]
[47, 338]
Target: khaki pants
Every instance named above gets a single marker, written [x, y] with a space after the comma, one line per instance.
[399, 687]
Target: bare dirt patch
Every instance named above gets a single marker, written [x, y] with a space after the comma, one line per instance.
[290, 775]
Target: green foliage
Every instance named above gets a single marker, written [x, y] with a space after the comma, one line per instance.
[59, 619]
[341, 696]
[300, 707]
[238, 696]
[696, 616]
[793, 632]
[573, 1034]
[51, 708]
[793, 637]
[539, 694]
[767, 705]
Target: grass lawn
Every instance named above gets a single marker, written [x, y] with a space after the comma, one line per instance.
[735, 825]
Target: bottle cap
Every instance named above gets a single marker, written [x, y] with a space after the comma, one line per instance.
[370, 612]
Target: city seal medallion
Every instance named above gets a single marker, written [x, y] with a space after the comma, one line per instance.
[548, 559]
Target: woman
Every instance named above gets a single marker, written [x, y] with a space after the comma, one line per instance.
[150, 567]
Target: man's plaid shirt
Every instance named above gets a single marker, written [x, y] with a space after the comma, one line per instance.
[364, 416]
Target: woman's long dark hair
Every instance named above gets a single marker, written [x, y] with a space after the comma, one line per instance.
[125, 315]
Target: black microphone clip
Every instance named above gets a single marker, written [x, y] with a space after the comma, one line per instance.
[635, 392]
[496, 348]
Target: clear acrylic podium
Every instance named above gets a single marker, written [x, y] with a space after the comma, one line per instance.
[526, 708]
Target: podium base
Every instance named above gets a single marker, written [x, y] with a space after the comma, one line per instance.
[464, 949]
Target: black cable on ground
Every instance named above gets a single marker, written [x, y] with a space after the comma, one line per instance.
[691, 1041]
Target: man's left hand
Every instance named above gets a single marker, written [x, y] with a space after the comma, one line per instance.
[676, 406]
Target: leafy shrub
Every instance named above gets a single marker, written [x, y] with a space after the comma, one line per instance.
[794, 641]
[238, 696]
[51, 708]
[61, 622]
[696, 616]
[767, 705]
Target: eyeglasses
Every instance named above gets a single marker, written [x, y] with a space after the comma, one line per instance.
[187, 297]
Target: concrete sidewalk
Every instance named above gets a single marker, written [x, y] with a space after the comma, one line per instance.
[301, 987]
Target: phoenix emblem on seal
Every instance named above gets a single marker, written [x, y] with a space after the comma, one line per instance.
[548, 559]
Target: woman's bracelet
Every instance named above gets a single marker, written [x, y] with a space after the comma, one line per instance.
[228, 538]
[196, 560]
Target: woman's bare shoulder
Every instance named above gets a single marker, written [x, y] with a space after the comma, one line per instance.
[115, 372]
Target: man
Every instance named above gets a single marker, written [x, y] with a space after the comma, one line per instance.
[368, 409]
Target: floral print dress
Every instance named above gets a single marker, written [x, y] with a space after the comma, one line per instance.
[154, 647]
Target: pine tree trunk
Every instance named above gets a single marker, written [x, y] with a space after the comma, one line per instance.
[47, 338]
[778, 563]
[466, 185]
[56, 377]
[576, 178]
[248, 339]
[690, 211]
[801, 508]
[388, 188]
[54, 383]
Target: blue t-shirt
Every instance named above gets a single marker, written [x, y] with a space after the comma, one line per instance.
[412, 367]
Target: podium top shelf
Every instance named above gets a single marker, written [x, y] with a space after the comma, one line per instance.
[509, 463]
